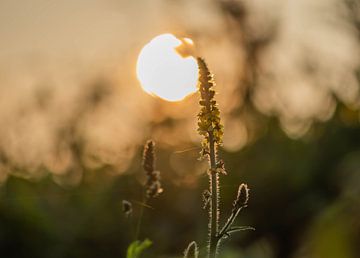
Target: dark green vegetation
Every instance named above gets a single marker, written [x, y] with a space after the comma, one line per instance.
[305, 194]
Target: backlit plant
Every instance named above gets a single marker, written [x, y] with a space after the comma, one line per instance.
[152, 189]
[210, 127]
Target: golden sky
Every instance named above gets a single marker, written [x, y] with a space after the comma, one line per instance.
[58, 51]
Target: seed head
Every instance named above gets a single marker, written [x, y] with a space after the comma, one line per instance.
[149, 157]
[153, 185]
[242, 197]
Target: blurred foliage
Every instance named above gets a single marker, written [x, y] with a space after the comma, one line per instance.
[136, 248]
[304, 202]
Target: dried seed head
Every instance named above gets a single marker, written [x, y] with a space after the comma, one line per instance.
[127, 207]
[149, 156]
[153, 185]
[242, 197]
[209, 115]
[154, 189]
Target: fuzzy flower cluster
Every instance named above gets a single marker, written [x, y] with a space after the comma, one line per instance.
[209, 124]
[153, 184]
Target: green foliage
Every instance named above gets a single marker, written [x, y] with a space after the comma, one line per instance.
[136, 248]
[316, 175]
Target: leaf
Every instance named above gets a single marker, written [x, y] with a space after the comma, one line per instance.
[236, 229]
[136, 248]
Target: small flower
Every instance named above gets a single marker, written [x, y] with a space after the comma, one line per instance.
[153, 185]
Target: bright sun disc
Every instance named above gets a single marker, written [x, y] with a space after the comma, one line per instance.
[163, 72]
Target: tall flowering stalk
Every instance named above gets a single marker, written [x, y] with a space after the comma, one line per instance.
[152, 189]
[152, 185]
[210, 127]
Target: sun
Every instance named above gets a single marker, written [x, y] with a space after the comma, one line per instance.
[166, 69]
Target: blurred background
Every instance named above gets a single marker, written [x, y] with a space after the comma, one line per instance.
[73, 119]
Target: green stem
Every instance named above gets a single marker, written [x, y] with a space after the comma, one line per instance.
[229, 222]
[138, 226]
[214, 204]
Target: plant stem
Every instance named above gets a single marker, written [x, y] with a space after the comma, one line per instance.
[229, 222]
[138, 226]
[214, 204]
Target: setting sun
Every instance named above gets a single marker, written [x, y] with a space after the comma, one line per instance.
[165, 71]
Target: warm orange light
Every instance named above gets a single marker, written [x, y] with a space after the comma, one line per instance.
[165, 71]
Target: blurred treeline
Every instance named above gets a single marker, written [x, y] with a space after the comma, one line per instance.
[304, 202]
[297, 147]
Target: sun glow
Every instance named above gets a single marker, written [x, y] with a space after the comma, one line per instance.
[166, 69]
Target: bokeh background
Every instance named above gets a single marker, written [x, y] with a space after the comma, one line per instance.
[73, 119]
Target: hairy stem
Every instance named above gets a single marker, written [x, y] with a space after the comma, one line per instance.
[210, 127]
[229, 222]
[214, 204]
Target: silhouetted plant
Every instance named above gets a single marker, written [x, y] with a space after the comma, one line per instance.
[210, 127]
[152, 186]
[152, 189]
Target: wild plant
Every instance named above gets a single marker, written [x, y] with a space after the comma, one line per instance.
[151, 189]
[211, 129]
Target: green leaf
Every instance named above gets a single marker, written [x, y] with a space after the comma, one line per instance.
[236, 229]
[136, 248]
